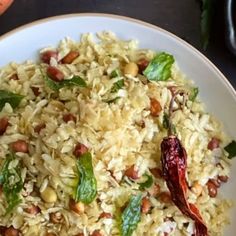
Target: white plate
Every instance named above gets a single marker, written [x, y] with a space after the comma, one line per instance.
[219, 96]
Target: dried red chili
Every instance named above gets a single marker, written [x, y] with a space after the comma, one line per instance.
[174, 164]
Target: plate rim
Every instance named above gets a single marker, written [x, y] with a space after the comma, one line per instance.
[223, 78]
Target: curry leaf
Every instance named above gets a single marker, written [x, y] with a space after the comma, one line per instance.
[11, 181]
[131, 216]
[160, 67]
[8, 97]
[115, 73]
[52, 84]
[231, 149]
[86, 190]
[74, 81]
[147, 184]
[12, 203]
[193, 94]
[118, 85]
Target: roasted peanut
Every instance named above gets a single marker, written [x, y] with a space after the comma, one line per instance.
[96, 233]
[80, 149]
[35, 91]
[77, 207]
[155, 107]
[223, 178]
[165, 197]
[216, 182]
[131, 172]
[55, 74]
[49, 195]
[145, 205]
[47, 55]
[11, 231]
[56, 217]
[197, 188]
[131, 69]
[3, 125]
[142, 64]
[20, 146]
[70, 57]
[105, 215]
[2, 230]
[33, 210]
[212, 189]
[157, 173]
[14, 77]
[213, 144]
[154, 190]
[69, 117]
[39, 127]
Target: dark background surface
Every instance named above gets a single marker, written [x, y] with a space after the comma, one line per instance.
[181, 17]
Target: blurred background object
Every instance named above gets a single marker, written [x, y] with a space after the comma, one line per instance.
[207, 8]
[230, 17]
[181, 17]
[4, 4]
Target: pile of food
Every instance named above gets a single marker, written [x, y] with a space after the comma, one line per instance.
[101, 138]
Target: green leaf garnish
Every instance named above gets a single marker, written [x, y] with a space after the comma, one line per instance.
[8, 97]
[147, 184]
[159, 69]
[117, 86]
[193, 94]
[11, 181]
[131, 216]
[115, 73]
[74, 81]
[86, 189]
[231, 149]
[51, 84]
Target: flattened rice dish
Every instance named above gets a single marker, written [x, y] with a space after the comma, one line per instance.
[101, 138]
